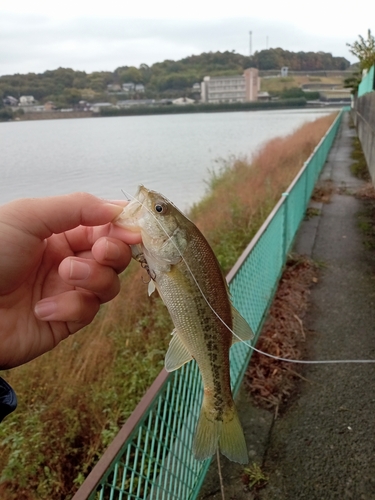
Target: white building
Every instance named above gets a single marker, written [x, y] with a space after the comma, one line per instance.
[133, 87]
[113, 87]
[239, 88]
[95, 108]
[128, 87]
[284, 71]
[26, 100]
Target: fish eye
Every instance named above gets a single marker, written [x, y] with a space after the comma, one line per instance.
[160, 207]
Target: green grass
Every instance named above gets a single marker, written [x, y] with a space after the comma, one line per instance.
[254, 477]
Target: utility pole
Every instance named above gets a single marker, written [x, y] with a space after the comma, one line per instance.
[251, 48]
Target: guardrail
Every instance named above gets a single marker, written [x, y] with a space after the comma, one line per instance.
[151, 456]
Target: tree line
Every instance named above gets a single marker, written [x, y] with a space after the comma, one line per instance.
[167, 79]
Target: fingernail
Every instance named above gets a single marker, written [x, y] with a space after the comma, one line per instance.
[115, 209]
[45, 309]
[112, 251]
[79, 270]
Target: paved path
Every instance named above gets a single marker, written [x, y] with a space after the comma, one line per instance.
[323, 447]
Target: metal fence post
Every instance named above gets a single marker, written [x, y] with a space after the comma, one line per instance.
[285, 231]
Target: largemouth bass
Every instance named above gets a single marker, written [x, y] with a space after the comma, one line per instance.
[187, 275]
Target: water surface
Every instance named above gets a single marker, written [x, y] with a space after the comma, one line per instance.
[169, 153]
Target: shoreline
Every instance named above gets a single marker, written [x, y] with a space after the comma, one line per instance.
[175, 109]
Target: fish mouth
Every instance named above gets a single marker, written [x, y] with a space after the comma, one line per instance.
[130, 217]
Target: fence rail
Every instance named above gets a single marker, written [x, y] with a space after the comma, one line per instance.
[151, 456]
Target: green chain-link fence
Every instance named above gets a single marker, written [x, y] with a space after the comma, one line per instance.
[368, 83]
[151, 457]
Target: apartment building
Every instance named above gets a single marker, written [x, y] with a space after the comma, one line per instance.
[239, 88]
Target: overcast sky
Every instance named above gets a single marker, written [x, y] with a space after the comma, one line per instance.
[36, 35]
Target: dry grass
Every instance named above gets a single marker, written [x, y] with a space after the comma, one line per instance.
[73, 400]
[323, 191]
[366, 192]
[246, 191]
[270, 381]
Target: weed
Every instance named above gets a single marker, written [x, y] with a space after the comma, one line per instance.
[323, 191]
[366, 224]
[366, 192]
[271, 382]
[344, 190]
[359, 166]
[254, 477]
[312, 212]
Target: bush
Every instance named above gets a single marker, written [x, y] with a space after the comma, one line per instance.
[6, 114]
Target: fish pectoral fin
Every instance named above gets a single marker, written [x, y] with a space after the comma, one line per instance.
[177, 354]
[241, 328]
[151, 287]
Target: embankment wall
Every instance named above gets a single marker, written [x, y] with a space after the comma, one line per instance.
[54, 115]
[364, 119]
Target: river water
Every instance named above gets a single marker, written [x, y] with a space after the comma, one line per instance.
[172, 154]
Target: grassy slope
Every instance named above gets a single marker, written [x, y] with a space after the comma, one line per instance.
[73, 400]
[282, 83]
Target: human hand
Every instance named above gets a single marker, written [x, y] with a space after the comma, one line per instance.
[59, 260]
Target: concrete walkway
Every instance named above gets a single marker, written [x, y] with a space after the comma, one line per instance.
[323, 447]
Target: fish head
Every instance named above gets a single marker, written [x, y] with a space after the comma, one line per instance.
[162, 226]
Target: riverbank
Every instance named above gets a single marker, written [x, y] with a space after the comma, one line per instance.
[167, 109]
[68, 416]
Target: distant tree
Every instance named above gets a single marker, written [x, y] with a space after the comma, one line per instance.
[71, 96]
[130, 74]
[80, 80]
[146, 73]
[64, 75]
[6, 114]
[292, 93]
[64, 86]
[353, 81]
[297, 61]
[364, 50]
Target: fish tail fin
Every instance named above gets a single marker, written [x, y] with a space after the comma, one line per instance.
[226, 433]
[232, 442]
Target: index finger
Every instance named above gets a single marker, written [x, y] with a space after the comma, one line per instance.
[42, 217]
[82, 238]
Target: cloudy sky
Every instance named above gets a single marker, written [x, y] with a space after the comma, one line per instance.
[36, 35]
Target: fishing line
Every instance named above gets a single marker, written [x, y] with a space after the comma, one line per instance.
[278, 358]
[127, 195]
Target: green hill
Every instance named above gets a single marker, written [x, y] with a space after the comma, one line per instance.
[167, 79]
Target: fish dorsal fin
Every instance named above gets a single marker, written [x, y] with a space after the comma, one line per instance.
[177, 354]
[241, 328]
